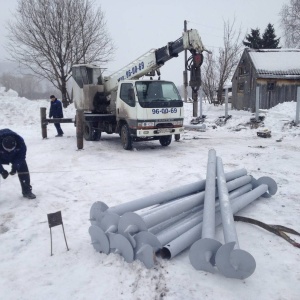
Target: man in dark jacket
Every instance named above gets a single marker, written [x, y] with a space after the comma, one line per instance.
[13, 151]
[56, 112]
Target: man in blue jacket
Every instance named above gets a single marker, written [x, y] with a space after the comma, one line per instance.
[13, 151]
[56, 111]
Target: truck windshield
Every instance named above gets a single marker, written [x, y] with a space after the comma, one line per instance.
[158, 94]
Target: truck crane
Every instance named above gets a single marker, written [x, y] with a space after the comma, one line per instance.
[137, 109]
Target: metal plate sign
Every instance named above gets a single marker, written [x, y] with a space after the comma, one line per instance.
[54, 219]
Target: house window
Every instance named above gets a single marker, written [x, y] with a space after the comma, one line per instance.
[243, 69]
[271, 86]
[241, 87]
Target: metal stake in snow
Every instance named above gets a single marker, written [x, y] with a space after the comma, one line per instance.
[202, 253]
[297, 106]
[257, 103]
[232, 263]
[200, 101]
[226, 103]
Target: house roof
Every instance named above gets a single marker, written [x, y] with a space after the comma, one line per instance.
[276, 62]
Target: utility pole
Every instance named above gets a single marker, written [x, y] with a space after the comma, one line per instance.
[185, 80]
[192, 64]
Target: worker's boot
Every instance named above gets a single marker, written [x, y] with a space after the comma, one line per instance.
[29, 195]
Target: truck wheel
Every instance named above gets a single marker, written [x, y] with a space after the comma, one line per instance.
[91, 134]
[96, 135]
[165, 140]
[87, 132]
[126, 138]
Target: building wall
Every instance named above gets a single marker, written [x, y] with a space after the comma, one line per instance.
[282, 91]
[271, 90]
[242, 83]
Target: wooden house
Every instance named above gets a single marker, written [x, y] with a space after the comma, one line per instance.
[275, 71]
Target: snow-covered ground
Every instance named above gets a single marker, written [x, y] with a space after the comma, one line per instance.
[70, 181]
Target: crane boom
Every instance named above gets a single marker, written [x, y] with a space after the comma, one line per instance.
[152, 60]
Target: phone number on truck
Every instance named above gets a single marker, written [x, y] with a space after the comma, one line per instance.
[172, 110]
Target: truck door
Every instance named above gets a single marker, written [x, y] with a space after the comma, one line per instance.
[126, 103]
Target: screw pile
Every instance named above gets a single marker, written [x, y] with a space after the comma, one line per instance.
[167, 223]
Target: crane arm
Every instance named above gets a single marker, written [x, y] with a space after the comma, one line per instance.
[190, 40]
[155, 58]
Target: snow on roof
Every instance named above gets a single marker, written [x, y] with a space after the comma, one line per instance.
[282, 62]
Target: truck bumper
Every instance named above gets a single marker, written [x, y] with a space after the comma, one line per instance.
[158, 132]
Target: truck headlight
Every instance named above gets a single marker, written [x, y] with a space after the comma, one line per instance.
[178, 123]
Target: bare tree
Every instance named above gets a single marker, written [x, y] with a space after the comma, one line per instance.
[290, 23]
[219, 68]
[49, 36]
[209, 77]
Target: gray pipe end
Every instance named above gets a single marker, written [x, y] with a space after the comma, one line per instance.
[202, 254]
[272, 186]
[99, 239]
[146, 255]
[119, 244]
[109, 222]
[147, 238]
[234, 263]
[97, 212]
[165, 252]
[131, 223]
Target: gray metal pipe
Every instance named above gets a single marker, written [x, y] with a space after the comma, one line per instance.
[226, 212]
[145, 241]
[130, 223]
[173, 232]
[99, 208]
[109, 222]
[205, 249]
[189, 237]
[208, 229]
[195, 127]
[103, 227]
[169, 222]
[231, 261]
[169, 195]
[157, 229]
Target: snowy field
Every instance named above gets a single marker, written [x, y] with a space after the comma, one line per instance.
[70, 181]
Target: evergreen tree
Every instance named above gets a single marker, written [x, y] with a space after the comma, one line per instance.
[253, 40]
[269, 40]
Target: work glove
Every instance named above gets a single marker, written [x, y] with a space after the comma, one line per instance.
[4, 174]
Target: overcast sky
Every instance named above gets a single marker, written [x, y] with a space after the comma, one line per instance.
[138, 26]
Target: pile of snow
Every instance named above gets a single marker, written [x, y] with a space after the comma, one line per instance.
[10, 93]
[28, 111]
[277, 119]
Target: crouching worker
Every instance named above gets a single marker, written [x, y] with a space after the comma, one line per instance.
[13, 151]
